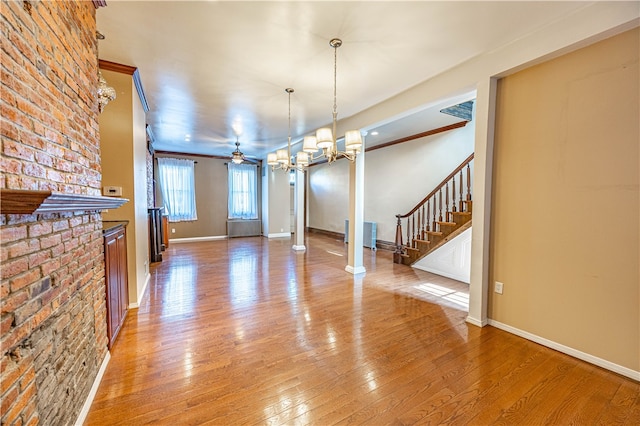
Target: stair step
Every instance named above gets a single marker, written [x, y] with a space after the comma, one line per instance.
[446, 223]
[411, 249]
[461, 213]
[422, 241]
[435, 233]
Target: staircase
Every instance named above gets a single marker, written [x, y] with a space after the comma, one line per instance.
[438, 218]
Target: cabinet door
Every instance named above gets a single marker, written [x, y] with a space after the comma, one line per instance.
[112, 271]
[123, 287]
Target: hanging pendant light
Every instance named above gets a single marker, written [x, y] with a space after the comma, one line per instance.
[325, 138]
[281, 159]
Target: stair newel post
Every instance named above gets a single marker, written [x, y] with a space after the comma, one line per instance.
[461, 191]
[398, 252]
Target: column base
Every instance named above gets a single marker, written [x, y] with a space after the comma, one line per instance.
[299, 248]
[355, 270]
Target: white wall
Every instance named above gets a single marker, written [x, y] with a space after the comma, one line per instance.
[140, 226]
[452, 260]
[396, 179]
[276, 211]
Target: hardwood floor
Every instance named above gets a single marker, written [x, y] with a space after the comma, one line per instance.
[247, 331]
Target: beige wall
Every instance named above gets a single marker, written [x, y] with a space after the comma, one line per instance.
[123, 154]
[396, 179]
[211, 199]
[565, 221]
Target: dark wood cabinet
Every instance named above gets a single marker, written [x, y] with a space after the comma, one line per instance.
[155, 234]
[115, 255]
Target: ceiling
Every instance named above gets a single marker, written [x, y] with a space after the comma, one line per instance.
[217, 70]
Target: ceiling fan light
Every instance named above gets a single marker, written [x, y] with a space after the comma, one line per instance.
[282, 156]
[272, 159]
[352, 140]
[237, 158]
[324, 138]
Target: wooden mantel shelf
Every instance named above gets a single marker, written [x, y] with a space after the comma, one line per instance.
[16, 201]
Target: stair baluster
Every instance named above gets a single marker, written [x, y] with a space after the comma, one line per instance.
[428, 214]
[453, 194]
[433, 222]
[461, 191]
[413, 230]
[468, 182]
[446, 197]
[440, 204]
[408, 232]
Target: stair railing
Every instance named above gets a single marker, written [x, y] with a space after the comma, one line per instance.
[424, 217]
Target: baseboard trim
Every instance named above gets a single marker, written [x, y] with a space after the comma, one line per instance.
[137, 304]
[92, 393]
[476, 322]
[607, 365]
[332, 234]
[385, 245]
[280, 235]
[197, 239]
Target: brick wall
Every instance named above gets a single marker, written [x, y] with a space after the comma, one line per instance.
[52, 299]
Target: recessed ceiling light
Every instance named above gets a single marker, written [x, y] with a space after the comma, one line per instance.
[374, 133]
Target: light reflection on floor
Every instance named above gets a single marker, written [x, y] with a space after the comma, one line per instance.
[242, 280]
[457, 297]
[179, 295]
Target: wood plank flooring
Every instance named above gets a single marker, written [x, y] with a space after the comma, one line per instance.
[249, 332]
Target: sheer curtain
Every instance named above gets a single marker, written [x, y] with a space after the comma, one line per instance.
[177, 184]
[243, 191]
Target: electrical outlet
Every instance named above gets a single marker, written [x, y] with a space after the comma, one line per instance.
[173, 230]
[498, 287]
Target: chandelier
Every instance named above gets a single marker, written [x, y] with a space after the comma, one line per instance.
[237, 157]
[105, 93]
[281, 159]
[325, 138]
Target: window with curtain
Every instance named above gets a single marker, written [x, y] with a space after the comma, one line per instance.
[177, 184]
[243, 191]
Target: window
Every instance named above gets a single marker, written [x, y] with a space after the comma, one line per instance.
[243, 191]
[177, 184]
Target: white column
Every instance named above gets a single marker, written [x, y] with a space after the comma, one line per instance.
[298, 196]
[356, 213]
[482, 177]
